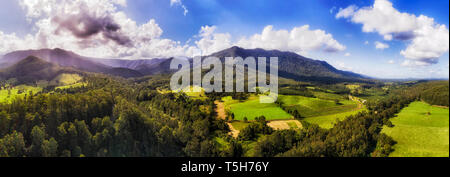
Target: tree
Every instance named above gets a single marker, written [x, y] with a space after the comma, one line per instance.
[50, 148]
[38, 137]
[12, 145]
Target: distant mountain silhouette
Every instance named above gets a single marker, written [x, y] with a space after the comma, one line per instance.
[32, 69]
[65, 58]
[291, 65]
[294, 66]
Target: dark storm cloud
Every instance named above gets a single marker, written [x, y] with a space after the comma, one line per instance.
[84, 26]
[404, 36]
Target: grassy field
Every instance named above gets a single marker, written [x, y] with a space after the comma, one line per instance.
[192, 92]
[328, 121]
[313, 107]
[7, 95]
[238, 125]
[419, 134]
[353, 86]
[253, 108]
[285, 124]
[328, 96]
[75, 85]
[68, 79]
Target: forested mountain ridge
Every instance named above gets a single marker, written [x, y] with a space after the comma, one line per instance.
[291, 65]
[297, 67]
[63, 58]
[32, 69]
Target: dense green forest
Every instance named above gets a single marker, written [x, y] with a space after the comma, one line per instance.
[112, 116]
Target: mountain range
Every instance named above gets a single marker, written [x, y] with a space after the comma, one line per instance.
[291, 65]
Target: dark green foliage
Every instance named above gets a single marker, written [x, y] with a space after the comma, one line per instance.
[109, 118]
[252, 131]
[356, 136]
[435, 93]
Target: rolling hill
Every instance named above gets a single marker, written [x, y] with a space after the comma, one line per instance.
[65, 58]
[32, 69]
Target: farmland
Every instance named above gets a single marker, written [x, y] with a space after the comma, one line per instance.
[327, 121]
[252, 108]
[420, 130]
[324, 110]
[312, 107]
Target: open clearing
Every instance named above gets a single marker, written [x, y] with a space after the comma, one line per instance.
[252, 108]
[234, 132]
[220, 109]
[420, 130]
[328, 121]
[194, 92]
[313, 107]
[67, 79]
[8, 95]
[285, 124]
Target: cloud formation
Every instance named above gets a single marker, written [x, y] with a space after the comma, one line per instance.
[381, 46]
[427, 40]
[347, 12]
[179, 3]
[299, 39]
[91, 28]
[99, 29]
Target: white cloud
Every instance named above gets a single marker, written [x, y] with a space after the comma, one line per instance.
[299, 39]
[342, 66]
[381, 46]
[347, 12]
[391, 62]
[412, 63]
[366, 43]
[100, 29]
[427, 40]
[347, 54]
[211, 42]
[430, 43]
[179, 3]
[90, 28]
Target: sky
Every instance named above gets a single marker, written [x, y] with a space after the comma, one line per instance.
[378, 38]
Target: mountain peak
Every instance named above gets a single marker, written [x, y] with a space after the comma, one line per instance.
[32, 60]
[294, 66]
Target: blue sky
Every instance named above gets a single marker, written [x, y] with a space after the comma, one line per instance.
[244, 18]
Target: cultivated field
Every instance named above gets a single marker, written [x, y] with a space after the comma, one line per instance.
[313, 107]
[252, 108]
[285, 124]
[328, 121]
[420, 130]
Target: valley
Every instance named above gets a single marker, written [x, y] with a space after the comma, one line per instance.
[104, 107]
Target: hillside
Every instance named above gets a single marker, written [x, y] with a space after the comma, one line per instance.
[32, 69]
[294, 66]
[291, 65]
[130, 64]
[56, 56]
[64, 58]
